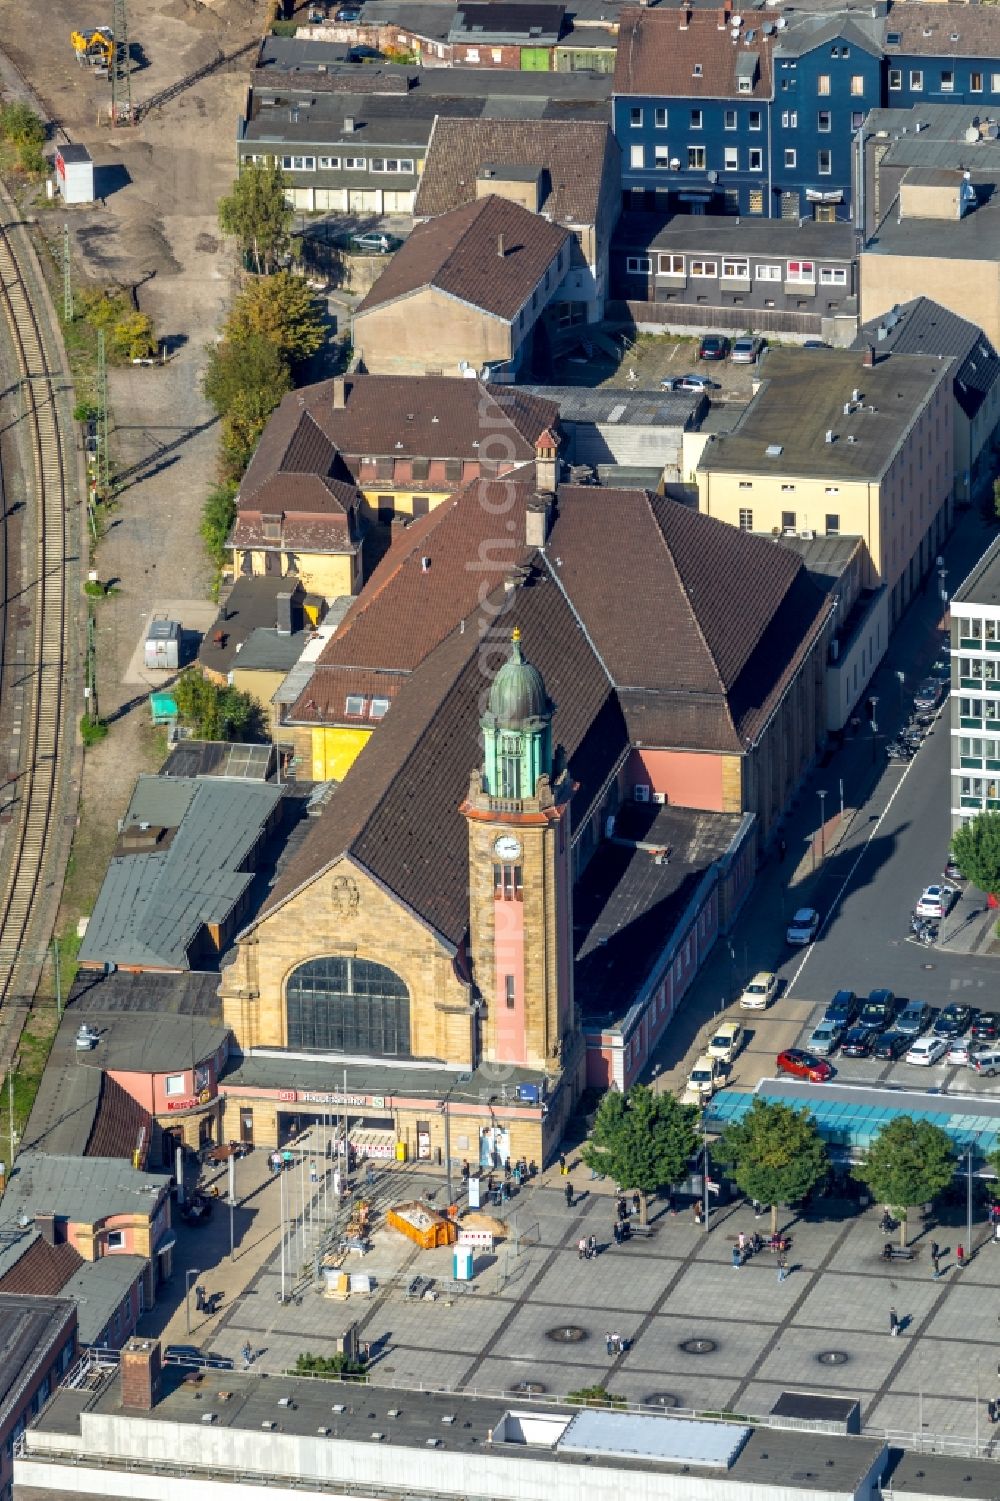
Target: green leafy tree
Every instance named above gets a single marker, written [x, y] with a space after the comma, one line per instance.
[241, 430]
[993, 1163]
[909, 1162]
[133, 337]
[282, 309]
[642, 1140]
[976, 848]
[775, 1154]
[217, 517]
[24, 130]
[257, 215]
[251, 364]
[217, 713]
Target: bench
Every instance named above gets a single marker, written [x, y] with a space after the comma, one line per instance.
[900, 1253]
[418, 1287]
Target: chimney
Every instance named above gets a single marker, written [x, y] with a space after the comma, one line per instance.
[538, 519]
[546, 463]
[500, 249]
[348, 125]
[869, 358]
[45, 1224]
[723, 20]
[685, 20]
[140, 1374]
[397, 526]
[339, 393]
[283, 602]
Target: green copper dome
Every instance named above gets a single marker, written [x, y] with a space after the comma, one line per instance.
[518, 693]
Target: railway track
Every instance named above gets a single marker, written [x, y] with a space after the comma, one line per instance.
[42, 676]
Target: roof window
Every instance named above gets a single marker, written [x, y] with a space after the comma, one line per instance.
[355, 705]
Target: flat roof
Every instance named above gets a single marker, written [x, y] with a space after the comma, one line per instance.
[614, 406]
[323, 1074]
[815, 1407]
[826, 558]
[982, 585]
[151, 1044]
[219, 758]
[74, 153]
[630, 1435]
[802, 397]
[939, 1475]
[974, 237]
[82, 1189]
[98, 1288]
[29, 1326]
[726, 233]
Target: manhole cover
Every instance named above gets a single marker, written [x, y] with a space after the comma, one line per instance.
[526, 1389]
[697, 1346]
[661, 1399]
[833, 1357]
[566, 1334]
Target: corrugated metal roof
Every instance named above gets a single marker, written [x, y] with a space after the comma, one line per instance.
[640, 1436]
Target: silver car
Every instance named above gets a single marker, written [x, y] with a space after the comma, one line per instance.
[746, 349]
[824, 1039]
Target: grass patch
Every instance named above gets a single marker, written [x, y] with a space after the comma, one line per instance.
[92, 731]
[594, 1396]
[33, 1052]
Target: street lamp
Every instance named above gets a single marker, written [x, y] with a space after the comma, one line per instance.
[872, 707]
[191, 1272]
[821, 794]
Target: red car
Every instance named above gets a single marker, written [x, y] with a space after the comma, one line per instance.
[804, 1065]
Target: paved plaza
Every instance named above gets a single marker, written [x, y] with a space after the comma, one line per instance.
[699, 1334]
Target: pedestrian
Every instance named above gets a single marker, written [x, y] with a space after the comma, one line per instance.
[758, 1208]
[936, 1259]
[616, 1343]
[607, 1341]
[336, 1183]
[782, 1268]
[697, 1212]
[741, 1241]
[737, 1259]
[563, 1169]
[581, 1248]
[960, 1255]
[592, 1246]
[782, 849]
[622, 1207]
[636, 1201]
[568, 1191]
[247, 1354]
[199, 1299]
[893, 1322]
[313, 1173]
[617, 1233]
[287, 1157]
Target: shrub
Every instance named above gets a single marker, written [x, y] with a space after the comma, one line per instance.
[92, 731]
[217, 517]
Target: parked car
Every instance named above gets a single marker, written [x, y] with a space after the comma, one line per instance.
[986, 1062]
[927, 1050]
[190, 1355]
[951, 870]
[760, 992]
[961, 1051]
[858, 1041]
[825, 1037]
[842, 1008]
[914, 1018]
[929, 694]
[705, 1076]
[891, 1045]
[348, 13]
[726, 1042]
[374, 242]
[935, 901]
[713, 347]
[689, 383]
[986, 1027]
[803, 926]
[878, 1011]
[803, 1065]
[815, 344]
[746, 349]
[952, 1021]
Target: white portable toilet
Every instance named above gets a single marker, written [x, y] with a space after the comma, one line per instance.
[75, 172]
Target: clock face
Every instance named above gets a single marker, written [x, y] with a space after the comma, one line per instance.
[507, 847]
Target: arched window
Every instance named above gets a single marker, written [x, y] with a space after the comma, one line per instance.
[510, 766]
[348, 1006]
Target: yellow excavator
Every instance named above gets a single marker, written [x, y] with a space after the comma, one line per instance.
[94, 46]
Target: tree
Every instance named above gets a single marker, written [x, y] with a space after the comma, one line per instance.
[258, 215]
[101, 308]
[642, 1140]
[282, 309]
[24, 130]
[236, 367]
[241, 429]
[775, 1154]
[133, 337]
[976, 848]
[214, 712]
[909, 1162]
[217, 517]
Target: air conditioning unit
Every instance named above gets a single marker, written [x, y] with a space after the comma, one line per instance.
[640, 792]
[659, 797]
[807, 536]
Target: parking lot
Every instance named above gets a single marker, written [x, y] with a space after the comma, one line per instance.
[644, 362]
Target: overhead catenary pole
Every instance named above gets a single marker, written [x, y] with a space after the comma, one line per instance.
[121, 72]
[103, 424]
[67, 270]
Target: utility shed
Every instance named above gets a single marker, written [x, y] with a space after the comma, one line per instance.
[163, 645]
[75, 171]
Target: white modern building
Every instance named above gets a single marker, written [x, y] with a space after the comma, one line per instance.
[975, 690]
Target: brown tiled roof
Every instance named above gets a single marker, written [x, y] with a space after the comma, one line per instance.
[458, 254]
[43, 1270]
[658, 55]
[707, 675]
[945, 30]
[573, 156]
[396, 813]
[309, 532]
[120, 1125]
[323, 701]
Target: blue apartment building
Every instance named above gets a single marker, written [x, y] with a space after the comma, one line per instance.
[756, 113]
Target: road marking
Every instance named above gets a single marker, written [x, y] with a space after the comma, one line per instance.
[847, 879]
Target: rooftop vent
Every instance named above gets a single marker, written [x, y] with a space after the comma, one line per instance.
[339, 1407]
[831, 436]
[774, 450]
[425, 565]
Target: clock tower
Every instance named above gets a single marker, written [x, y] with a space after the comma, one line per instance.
[520, 885]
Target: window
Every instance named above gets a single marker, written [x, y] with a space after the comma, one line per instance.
[790, 119]
[892, 39]
[730, 119]
[823, 83]
[756, 159]
[857, 85]
[348, 1005]
[472, 54]
[355, 163]
[895, 78]
[857, 118]
[789, 158]
[788, 488]
[354, 704]
[507, 883]
[378, 708]
[175, 1084]
[767, 273]
[832, 524]
[801, 271]
[916, 79]
[736, 270]
[696, 158]
[510, 994]
[391, 164]
[824, 120]
[975, 83]
[497, 55]
[947, 81]
[115, 1240]
[661, 156]
[755, 201]
[704, 268]
[754, 119]
[730, 200]
[995, 83]
[421, 503]
[732, 159]
[745, 85]
[660, 119]
[833, 276]
[696, 119]
[638, 265]
[637, 156]
[824, 163]
[328, 163]
[635, 117]
[671, 265]
[746, 484]
[746, 520]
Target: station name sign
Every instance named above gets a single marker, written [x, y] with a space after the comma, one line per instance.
[311, 1097]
